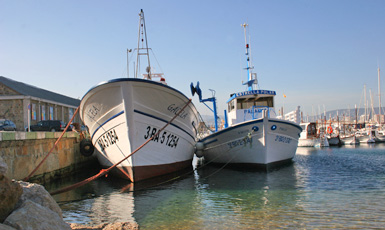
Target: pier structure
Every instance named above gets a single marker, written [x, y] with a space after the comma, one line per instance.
[23, 151]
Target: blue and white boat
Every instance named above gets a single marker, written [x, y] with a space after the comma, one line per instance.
[252, 135]
[122, 114]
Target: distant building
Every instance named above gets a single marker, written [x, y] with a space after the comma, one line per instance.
[23, 103]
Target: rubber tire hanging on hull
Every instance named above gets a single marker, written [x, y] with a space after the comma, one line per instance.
[86, 147]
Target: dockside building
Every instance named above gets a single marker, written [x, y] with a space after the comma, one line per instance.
[26, 104]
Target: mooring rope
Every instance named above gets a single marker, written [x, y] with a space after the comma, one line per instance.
[248, 136]
[49, 153]
[105, 171]
[127, 187]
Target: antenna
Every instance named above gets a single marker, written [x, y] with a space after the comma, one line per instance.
[251, 77]
[142, 37]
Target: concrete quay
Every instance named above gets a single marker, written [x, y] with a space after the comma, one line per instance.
[23, 151]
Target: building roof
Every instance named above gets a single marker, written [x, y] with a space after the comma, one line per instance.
[29, 90]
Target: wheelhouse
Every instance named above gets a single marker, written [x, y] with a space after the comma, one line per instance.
[250, 105]
[249, 102]
[309, 130]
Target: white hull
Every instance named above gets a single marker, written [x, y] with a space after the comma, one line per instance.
[122, 114]
[310, 142]
[334, 141]
[366, 139]
[350, 140]
[261, 143]
[313, 142]
[379, 138]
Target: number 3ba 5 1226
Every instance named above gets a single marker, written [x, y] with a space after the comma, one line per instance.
[164, 137]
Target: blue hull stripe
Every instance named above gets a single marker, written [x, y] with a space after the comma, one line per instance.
[245, 124]
[231, 128]
[145, 114]
[160, 119]
[287, 123]
[109, 119]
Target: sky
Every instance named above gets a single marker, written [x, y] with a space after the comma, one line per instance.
[319, 53]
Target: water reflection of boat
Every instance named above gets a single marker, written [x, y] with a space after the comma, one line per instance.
[111, 199]
[305, 150]
[245, 198]
[206, 199]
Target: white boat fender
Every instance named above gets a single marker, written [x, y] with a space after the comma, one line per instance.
[199, 146]
[86, 147]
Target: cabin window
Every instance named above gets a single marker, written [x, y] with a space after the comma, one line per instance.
[311, 129]
[265, 101]
[247, 103]
[231, 105]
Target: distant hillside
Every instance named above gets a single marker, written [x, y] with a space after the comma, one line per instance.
[346, 113]
[209, 119]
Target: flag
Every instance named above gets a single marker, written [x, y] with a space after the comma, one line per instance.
[284, 95]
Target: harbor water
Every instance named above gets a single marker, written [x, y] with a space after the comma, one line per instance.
[339, 188]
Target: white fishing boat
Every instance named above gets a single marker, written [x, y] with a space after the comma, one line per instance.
[310, 137]
[122, 114]
[379, 136]
[349, 139]
[365, 136]
[251, 136]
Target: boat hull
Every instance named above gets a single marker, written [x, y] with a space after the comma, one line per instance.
[262, 143]
[350, 140]
[366, 139]
[309, 142]
[313, 142]
[123, 114]
[334, 141]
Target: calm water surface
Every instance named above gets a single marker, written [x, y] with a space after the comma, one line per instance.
[324, 188]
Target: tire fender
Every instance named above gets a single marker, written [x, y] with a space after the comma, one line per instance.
[86, 147]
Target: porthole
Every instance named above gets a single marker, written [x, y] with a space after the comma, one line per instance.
[274, 127]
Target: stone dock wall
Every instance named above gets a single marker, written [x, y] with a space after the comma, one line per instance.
[23, 151]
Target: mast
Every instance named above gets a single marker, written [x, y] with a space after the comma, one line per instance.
[142, 45]
[379, 96]
[365, 104]
[250, 80]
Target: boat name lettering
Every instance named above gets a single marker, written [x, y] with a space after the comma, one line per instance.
[256, 110]
[252, 92]
[283, 139]
[241, 142]
[175, 109]
[169, 139]
[93, 111]
[243, 132]
[107, 139]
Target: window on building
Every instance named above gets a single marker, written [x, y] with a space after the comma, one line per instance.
[70, 113]
[33, 112]
[43, 113]
[51, 113]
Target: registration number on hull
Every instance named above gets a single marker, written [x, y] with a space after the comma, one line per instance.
[164, 137]
[282, 139]
[107, 139]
